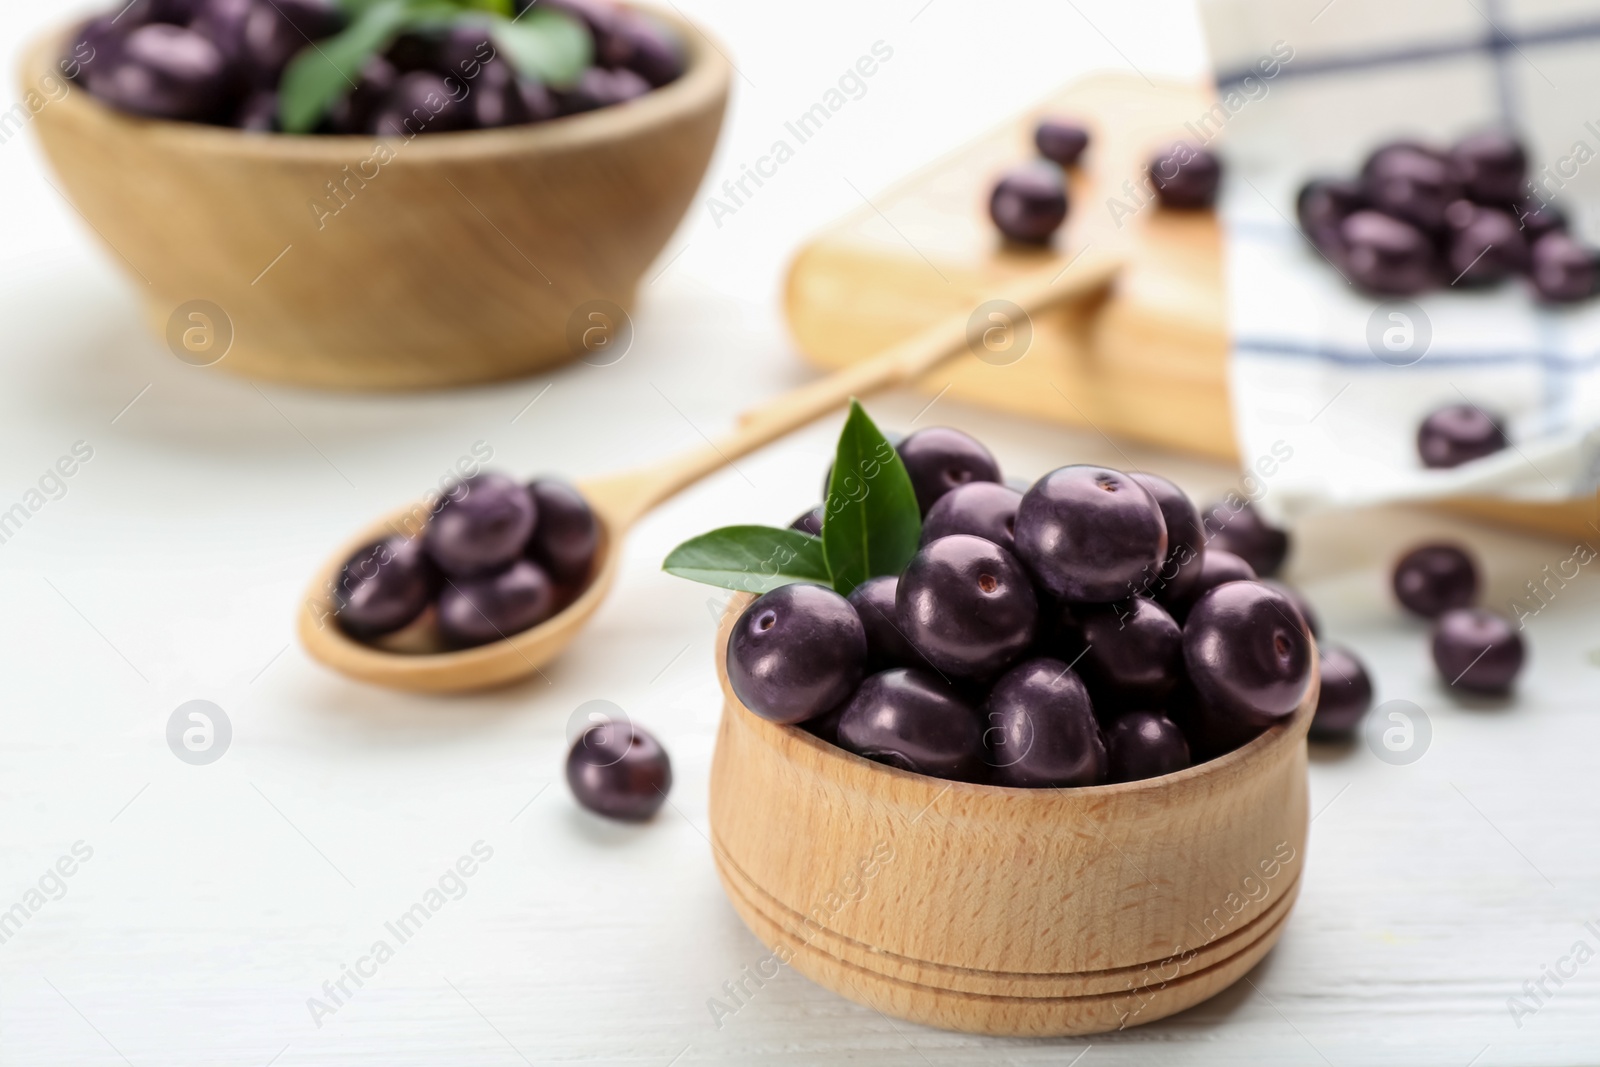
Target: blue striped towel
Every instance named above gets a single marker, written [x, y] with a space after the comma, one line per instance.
[1344, 378]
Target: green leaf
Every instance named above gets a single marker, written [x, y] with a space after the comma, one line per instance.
[872, 524]
[321, 73]
[751, 559]
[548, 45]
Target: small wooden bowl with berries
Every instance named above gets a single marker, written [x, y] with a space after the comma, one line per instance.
[397, 195]
[1000, 761]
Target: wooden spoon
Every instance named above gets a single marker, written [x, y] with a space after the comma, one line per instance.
[414, 661]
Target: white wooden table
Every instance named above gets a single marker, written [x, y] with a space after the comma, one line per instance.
[215, 901]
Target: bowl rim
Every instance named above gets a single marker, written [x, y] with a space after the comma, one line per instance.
[1288, 731]
[706, 79]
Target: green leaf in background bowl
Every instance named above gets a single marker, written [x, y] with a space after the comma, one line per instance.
[546, 45]
[751, 559]
[321, 73]
[872, 523]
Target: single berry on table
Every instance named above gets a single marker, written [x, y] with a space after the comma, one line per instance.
[1477, 650]
[1186, 176]
[1060, 141]
[620, 771]
[1432, 579]
[1029, 202]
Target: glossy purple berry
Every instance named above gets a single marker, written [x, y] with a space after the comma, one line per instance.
[1308, 614]
[796, 653]
[165, 72]
[966, 604]
[598, 87]
[566, 534]
[496, 98]
[1485, 245]
[810, 521]
[1186, 176]
[1432, 579]
[1217, 566]
[1321, 208]
[938, 459]
[276, 30]
[1563, 271]
[464, 52]
[1477, 650]
[537, 100]
[1144, 744]
[1537, 218]
[1492, 165]
[1412, 182]
[1090, 534]
[982, 509]
[1029, 202]
[620, 771]
[1387, 255]
[421, 102]
[353, 112]
[384, 587]
[1130, 652]
[1241, 530]
[874, 601]
[1457, 434]
[258, 113]
[1345, 697]
[481, 525]
[1060, 141]
[916, 722]
[1186, 538]
[643, 45]
[478, 610]
[96, 46]
[1248, 653]
[1041, 730]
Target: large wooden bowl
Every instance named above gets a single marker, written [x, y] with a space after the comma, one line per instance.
[461, 259]
[1006, 911]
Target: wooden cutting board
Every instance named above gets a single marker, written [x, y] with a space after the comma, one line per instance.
[1149, 362]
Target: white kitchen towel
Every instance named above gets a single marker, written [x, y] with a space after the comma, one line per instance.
[1344, 378]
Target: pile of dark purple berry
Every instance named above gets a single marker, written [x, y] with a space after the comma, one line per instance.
[1087, 629]
[384, 67]
[1029, 202]
[495, 558]
[1420, 218]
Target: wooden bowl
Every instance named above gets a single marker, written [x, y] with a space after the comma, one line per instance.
[1038, 912]
[460, 259]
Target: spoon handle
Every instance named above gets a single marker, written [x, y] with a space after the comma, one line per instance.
[625, 497]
